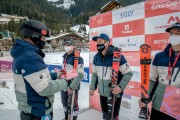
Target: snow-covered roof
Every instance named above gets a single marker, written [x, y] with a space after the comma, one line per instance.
[64, 34]
[110, 6]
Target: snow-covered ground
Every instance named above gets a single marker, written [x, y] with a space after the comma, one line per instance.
[9, 109]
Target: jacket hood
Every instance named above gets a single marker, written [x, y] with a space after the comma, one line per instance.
[22, 46]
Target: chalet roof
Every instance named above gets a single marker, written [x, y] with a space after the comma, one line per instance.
[110, 6]
[63, 35]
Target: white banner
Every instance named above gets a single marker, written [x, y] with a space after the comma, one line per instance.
[131, 43]
[160, 23]
[125, 14]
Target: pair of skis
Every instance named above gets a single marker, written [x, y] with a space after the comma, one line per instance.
[72, 97]
[145, 61]
[115, 69]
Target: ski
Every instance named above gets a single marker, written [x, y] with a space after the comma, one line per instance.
[115, 69]
[145, 61]
[72, 96]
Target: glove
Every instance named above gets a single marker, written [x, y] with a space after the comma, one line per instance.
[55, 75]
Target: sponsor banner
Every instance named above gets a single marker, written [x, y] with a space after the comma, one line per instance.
[133, 58]
[97, 31]
[92, 46]
[101, 20]
[129, 108]
[132, 12]
[134, 86]
[157, 41]
[136, 74]
[130, 28]
[161, 7]
[133, 89]
[130, 43]
[160, 23]
[5, 66]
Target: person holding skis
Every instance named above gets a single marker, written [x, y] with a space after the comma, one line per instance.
[165, 75]
[68, 65]
[102, 75]
[34, 87]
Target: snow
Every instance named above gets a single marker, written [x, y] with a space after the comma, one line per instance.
[76, 28]
[66, 4]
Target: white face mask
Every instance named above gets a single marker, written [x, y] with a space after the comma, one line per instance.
[174, 39]
[67, 48]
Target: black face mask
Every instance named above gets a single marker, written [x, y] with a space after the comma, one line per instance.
[100, 47]
[38, 42]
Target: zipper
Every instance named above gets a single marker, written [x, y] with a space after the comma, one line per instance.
[105, 71]
[103, 76]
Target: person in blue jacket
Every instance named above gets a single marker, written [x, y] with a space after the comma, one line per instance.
[102, 75]
[34, 87]
[164, 74]
[68, 65]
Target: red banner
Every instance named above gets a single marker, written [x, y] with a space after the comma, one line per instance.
[157, 41]
[161, 7]
[101, 20]
[130, 28]
[133, 58]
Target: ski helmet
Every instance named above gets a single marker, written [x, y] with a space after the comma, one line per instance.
[34, 30]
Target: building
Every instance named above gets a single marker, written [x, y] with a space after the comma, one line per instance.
[5, 18]
[6, 41]
[55, 43]
[111, 5]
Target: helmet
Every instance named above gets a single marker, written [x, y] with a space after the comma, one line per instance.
[33, 28]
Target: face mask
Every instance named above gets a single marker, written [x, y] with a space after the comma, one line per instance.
[67, 48]
[174, 39]
[38, 42]
[100, 47]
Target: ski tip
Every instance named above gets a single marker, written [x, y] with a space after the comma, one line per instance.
[145, 45]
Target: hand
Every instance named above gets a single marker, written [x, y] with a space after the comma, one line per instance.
[116, 90]
[141, 104]
[70, 90]
[91, 92]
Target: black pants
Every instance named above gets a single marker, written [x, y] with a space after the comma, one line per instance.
[64, 98]
[28, 116]
[104, 106]
[157, 115]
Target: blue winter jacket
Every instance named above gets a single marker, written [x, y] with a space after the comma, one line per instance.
[68, 64]
[102, 72]
[34, 88]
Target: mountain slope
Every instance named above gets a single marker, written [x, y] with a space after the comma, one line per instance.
[36, 9]
[81, 11]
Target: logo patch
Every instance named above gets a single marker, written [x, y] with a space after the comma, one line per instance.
[40, 76]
